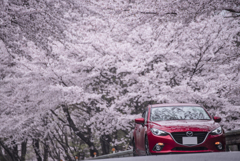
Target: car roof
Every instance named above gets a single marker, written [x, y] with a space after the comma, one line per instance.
[174, 104]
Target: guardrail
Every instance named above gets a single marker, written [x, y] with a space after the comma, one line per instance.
[232, 144]
[233, 140]
[121, 154]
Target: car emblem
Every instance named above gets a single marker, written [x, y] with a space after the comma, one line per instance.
[189, 133]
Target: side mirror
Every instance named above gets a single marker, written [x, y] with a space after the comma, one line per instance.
[139, 121]
[217, 119]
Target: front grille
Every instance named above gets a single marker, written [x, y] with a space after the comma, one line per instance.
[178, 136]
[189, 149]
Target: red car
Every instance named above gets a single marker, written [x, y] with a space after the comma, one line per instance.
[177, 128]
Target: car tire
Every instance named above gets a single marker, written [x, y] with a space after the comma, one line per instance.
[147, 146]
[134, 148]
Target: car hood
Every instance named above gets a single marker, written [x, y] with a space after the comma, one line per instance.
[185, 125]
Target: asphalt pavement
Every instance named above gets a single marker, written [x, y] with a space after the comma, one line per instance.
[220, 156]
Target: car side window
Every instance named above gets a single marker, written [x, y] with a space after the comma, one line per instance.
[146, 116]
[143, 114]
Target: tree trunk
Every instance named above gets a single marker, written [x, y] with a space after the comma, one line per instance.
[78, 133]
[46, 149]
[11, 152]
[2, 156]
[105, 144]
[35, 144]
[23, 150]
[15, 151]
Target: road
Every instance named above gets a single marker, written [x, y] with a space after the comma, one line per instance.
[221, 156]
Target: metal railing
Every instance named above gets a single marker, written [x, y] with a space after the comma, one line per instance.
[232, 144]
[233, 140]
[120, 154]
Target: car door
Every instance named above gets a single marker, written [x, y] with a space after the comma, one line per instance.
[138, 129]
[142, 132]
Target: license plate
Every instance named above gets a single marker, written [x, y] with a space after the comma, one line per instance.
[189, 140]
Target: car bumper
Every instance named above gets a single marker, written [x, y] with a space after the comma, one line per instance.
[171, 146]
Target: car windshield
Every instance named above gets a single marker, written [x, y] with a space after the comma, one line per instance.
[178, 113]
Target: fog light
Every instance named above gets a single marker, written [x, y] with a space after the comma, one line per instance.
[219, 145]
[158, 147]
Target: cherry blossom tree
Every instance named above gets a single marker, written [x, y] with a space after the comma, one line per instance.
[81, 71]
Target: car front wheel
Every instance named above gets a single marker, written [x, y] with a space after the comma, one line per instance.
[134, 148]
[147, 146]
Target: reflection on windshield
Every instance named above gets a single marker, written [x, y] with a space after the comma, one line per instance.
[178, 113]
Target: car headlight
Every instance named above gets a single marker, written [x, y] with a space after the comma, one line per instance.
[217, 131]
[158, 132]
